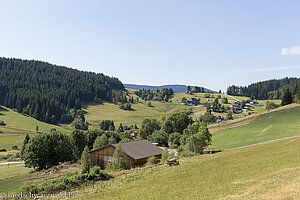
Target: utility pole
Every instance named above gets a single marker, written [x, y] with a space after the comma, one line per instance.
[189, 138]
[193, 141]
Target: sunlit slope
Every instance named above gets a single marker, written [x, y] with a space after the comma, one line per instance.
[18, 125]
[268, 126]
[267, 171]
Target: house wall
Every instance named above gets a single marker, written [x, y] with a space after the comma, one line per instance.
[97, 157]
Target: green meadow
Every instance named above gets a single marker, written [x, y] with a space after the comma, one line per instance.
[17, 125]
[11, 176]
[267, 126]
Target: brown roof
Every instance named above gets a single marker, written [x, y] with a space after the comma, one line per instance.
[138, 149]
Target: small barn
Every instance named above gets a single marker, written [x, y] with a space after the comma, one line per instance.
[137, 153]
[193, 102]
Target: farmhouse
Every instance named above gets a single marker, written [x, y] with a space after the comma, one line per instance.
[137, 153]
[193, 102]
[220, 119]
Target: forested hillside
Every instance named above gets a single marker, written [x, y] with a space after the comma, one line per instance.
[51, 93]
[271, 89]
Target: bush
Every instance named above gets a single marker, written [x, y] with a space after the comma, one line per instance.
[224, 100]
[164, 155]
[63, 183]
[152, 160]
[80, 124]
[271, 105]
[2, 123]
[126, 106]
[208, 118]
[3, 150]
[15, 147]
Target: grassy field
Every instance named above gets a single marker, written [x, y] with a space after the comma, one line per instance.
[18, 125]
[95, 113]
[109, 111]
[11, 176]
[16, 175]
[268, 171]
[268, 126]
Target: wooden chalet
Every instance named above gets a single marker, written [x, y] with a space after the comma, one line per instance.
[137, 153]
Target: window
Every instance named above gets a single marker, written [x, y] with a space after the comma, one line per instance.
[107, 159]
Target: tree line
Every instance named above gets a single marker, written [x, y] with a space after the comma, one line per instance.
[49, 149]
[270, 89]
[159, 95]
[49, 92]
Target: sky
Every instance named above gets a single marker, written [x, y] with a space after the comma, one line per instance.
[212, 44]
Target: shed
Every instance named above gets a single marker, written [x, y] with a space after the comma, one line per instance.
[137, 153]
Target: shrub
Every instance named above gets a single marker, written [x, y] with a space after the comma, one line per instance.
[63, 183]
[15, 147]
[126, 106]
[152, 160]
[271, 105]
[164, 155]
[2, 123]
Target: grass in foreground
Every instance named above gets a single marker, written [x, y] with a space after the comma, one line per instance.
[11, 176]
[268, 126]
[268, 171]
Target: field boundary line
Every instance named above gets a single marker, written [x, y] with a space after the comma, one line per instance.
[285, 138]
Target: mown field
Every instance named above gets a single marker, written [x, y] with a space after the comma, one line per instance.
[18, 125]
[267, 171]
[280, 123]
[11, 176]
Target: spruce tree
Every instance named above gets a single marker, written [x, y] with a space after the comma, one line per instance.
[287, 98]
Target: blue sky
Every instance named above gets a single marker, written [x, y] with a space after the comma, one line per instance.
[207, 43]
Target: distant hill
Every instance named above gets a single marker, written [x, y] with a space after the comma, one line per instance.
[176, 88]
[270, 89]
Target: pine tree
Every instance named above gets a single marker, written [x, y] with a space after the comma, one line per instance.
[26, 141]
[287, 98]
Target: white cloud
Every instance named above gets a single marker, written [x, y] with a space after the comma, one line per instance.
[270, 69]
[291, 51]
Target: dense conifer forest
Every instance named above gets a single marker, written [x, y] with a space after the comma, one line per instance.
[270, 89]
[52, 93]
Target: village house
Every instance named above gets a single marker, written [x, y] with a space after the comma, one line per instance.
[134, 134]
[235, 107]
[193, 102]
[220, 119]
[137, 153]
